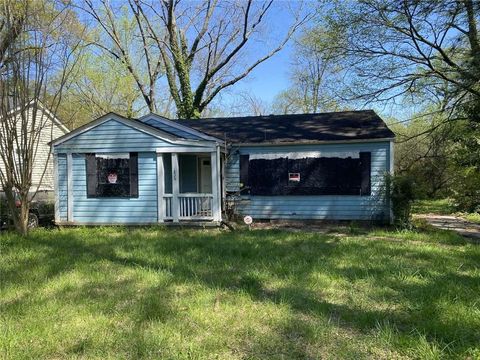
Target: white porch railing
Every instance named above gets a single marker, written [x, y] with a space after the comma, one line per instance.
[192, 206]
[167, 203]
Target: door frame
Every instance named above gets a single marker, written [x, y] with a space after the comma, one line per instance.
[200, 158]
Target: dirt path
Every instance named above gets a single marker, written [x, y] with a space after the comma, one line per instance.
[455, 223]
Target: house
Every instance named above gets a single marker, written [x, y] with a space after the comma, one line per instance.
[48, 128]
[150, 170]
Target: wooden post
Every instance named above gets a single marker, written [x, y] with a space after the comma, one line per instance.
[69, 187]
[55, 188]
[175, 188]
[160, 188]
[216, 208]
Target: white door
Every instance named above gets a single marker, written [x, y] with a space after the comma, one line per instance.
[205, 176]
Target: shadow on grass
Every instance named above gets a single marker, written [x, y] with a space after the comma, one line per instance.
[412, 283]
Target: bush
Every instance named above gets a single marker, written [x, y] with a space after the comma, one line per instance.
[466, 190]
[402, 195]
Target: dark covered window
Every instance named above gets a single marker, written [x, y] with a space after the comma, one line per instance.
[306, 176]
[112, 175]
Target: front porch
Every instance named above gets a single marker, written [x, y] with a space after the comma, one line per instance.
[189, 185]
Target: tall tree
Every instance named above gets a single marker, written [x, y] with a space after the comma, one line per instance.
[314, 74]
[98, 86]
[201, 46]
[422, 54]
[406, 48]
[39, 47]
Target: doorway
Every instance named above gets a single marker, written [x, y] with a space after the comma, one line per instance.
[205, 178]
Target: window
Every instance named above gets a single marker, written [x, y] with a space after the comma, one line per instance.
[284, 175]
[112, 175]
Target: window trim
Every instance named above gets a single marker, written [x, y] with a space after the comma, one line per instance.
[365, 180]
[92, 174]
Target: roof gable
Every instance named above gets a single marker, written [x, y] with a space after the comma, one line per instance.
[134, 124]
[29, 106]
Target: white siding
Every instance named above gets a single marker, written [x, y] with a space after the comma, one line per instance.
[49, 131]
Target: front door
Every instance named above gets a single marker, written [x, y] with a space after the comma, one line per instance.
[205, 175]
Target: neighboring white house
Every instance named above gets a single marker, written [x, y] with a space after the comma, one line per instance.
[50, 129]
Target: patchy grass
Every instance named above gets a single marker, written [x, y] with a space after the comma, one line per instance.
[172, 293]
[473, 217]
[437, 207]
[442, 207]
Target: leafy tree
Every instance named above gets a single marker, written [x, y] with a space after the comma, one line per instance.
[99, 85]
[36, 45]
[201, 47]
[424, 154]
[424, 54]
[314, 74]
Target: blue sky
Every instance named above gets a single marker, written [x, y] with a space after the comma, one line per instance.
[272, 76]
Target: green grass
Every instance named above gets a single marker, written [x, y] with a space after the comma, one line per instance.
[472, 217]
[438, 207]
[442, 207]
[119, 293]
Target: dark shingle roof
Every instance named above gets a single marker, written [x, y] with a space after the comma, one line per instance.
[347, 125]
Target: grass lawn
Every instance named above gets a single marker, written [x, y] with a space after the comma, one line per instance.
[473, 217]
[207, 294]
[438, 207]
[442, 207]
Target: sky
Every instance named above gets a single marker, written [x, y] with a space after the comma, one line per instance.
[272, 76]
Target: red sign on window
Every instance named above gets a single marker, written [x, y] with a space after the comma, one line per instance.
[112, 178]
[294, 177]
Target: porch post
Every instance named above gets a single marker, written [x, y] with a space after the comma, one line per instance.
[160, 187]
[216, 207]
[55, 187]
[175, 188]
[69, 187]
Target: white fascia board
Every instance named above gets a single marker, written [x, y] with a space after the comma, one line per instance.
[186, 149]
[52, 117]
[313, 142]
[306, 154]
[178, 126]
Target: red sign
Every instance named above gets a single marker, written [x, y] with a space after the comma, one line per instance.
[112, 178]
[294, 177]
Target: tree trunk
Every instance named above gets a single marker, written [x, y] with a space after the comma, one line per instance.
[19, 214]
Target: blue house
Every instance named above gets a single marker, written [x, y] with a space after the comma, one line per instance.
[152, 170]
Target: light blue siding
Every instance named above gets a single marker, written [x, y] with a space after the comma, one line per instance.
[115, 136]
[116, 210]
[62, 186]
[329, 207]
[112, 136]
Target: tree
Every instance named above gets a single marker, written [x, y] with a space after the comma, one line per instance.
[201, 46]
[98, 86]
[409, 48]
[247, 104]
[38, 47]
[314, 74]
[418, 53]
[423, 154]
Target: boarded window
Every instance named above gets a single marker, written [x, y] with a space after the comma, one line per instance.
[310, 176]
[244, 164]
[112, 175]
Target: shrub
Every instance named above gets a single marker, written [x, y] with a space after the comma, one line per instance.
[402, 194]
[466, 190]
